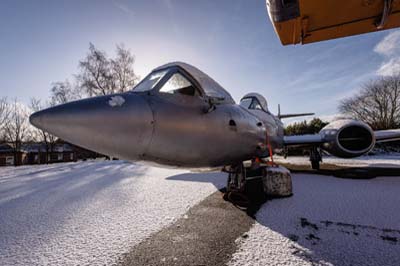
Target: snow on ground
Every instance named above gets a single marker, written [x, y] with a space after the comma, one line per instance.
[363, 161]
[328, 221]
[90, 213]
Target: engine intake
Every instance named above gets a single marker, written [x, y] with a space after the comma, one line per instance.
[347, 138]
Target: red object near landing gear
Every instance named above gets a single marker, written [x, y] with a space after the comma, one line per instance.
[249, 186]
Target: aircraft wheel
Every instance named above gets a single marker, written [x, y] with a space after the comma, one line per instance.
[315, 165]
[226, 196]
[238, 199]
[315, 157]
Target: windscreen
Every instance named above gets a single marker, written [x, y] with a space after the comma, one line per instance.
[251, 103]
[178, 84]
[246, 102]
[150, 81]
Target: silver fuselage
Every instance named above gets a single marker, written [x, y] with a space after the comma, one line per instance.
[163, 128]
[177, 116]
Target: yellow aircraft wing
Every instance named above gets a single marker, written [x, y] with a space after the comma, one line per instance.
[308, 21]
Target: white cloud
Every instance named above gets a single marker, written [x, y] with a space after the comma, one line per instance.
[124, 8]
[389, 48]
[390, 45]
[389, 67]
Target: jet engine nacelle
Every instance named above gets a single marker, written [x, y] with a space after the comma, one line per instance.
[347, 138]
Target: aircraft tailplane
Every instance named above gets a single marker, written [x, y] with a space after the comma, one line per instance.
[282, 116]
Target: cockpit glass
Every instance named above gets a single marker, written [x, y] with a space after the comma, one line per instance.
[251, 103]
[150, 81]
[178, 84]
[246, 102]
[255, 105]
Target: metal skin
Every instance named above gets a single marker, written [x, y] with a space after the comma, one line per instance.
[168, 129]
[332, 141]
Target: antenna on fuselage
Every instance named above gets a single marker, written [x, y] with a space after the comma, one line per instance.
[279, 111]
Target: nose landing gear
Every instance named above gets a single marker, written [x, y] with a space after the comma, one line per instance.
[236, 186]
[250, 184]
[315, 158]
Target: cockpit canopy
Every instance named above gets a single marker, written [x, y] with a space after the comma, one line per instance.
[182, 78]
[254, 101]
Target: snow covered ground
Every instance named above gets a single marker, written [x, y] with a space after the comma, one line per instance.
[363, 161]
[90, 213]
[328, 221]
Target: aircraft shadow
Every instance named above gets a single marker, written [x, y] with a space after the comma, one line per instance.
[356, 172]
[218, 179]
[328, 220]
[335, 221]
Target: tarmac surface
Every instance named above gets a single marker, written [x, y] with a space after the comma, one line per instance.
[205, 235]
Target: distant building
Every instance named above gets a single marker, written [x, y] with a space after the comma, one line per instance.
[8, 157]
[84, 154]
[35, 153]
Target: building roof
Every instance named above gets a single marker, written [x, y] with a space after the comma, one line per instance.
[6, 148]
[36, 147]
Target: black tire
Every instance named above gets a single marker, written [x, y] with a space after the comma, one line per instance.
[226, 196]
[238, 199]
[315, 165]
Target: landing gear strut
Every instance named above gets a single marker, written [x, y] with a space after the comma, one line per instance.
[251, 183]
[236, 185]
[315, 157]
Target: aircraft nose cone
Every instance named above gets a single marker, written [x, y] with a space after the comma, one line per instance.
[116, 125]
[35, 119]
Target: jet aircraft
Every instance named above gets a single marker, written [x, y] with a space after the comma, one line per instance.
[179, 116]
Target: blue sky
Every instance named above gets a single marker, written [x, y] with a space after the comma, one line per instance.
[233, 41]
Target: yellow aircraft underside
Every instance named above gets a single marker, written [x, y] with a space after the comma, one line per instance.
[308, 21]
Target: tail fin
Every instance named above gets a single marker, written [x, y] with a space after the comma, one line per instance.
[282, 116]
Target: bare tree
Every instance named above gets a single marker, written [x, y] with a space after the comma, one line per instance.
[95, 76]
[100, 75]
[378, 103]
[122, 70]
[63, 92]
[4, 115]
[40, 135]
[17, 128]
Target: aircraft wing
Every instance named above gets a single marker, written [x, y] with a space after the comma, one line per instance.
[308, 139]
[308, 21]
[387, 135]
[315, 139]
